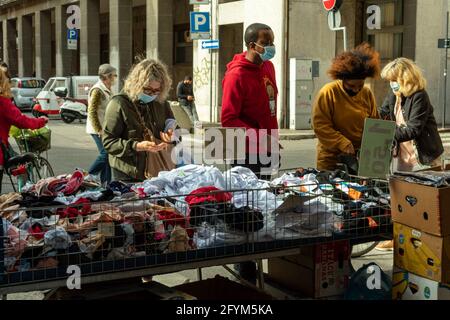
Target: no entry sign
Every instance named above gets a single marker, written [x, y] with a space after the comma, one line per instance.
[332, 5]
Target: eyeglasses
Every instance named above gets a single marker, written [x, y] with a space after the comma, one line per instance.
[151, 91]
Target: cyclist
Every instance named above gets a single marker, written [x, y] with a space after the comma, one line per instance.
[11, 116]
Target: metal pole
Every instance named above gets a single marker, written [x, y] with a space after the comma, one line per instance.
[211, 66]
[445, 72]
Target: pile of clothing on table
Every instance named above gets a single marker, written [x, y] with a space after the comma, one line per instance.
[71, 219]
[326, 203]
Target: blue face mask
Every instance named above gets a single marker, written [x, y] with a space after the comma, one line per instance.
[146, 99]
[395, 86]
[269, 52]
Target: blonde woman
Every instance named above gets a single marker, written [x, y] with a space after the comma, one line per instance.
[11, 116]
[136, 122]
[418, 143]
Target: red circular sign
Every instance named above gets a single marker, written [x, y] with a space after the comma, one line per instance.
[329, 4]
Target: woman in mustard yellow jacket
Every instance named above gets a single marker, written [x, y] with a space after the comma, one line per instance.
[342, 106]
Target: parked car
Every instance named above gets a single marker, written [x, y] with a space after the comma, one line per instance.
[24, 90]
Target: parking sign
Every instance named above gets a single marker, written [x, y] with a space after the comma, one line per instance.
[200, 28]
[72, 39]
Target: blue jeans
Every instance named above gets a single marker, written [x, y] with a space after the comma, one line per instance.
[101, 164]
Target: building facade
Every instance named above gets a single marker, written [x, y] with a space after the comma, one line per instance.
[34, 41]
[34, 35]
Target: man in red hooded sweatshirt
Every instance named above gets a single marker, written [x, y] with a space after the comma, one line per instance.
[250, 99]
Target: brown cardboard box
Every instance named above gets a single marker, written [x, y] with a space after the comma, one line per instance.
[422, 207]
[220, 288]
[319, 271]
[421, 253]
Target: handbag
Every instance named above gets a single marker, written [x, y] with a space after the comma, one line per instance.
[155, 161]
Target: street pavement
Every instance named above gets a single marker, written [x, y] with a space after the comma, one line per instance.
[72, 148]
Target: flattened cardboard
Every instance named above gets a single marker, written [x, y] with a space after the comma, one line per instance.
[408, 286]
[421, 253]
[422, 207]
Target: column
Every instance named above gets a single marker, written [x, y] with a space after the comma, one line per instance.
[4, 41]
[90, 37]
[25, 50]
[10, 46]
[1, 41]
[63, 55]
[160, 30]
[43, 41]
[120, 37]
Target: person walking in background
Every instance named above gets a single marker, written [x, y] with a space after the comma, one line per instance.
[185, 95]
[99, 97]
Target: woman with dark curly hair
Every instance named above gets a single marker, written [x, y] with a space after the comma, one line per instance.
[342, 106]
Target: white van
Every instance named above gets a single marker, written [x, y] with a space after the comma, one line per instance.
[48, 104]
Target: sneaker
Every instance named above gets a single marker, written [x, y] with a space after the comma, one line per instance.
[386, 246]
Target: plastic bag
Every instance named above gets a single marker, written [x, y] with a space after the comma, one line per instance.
[369, 283]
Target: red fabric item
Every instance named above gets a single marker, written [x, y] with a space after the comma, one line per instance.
[171, 218]
[36, 231]
[201, 196]
[10, 115]
[74, 183]
[73, 212]
[245, 101]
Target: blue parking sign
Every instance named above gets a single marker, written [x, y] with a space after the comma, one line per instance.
[200, 25]
[72, 34]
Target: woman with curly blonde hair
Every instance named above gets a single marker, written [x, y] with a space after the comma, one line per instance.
[418, 143]
[139, 123]
[11, 116]
[342, 106]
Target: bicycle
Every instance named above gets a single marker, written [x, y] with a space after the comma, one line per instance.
[29, 166]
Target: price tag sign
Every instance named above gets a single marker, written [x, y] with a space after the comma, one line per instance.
[107, 229]
[375, 154]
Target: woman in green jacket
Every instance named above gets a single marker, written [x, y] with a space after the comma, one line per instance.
[135, 125]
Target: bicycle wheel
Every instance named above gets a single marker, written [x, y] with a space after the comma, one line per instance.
[41, 170]
[364, 248]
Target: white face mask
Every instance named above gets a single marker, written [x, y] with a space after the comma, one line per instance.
[395, 86]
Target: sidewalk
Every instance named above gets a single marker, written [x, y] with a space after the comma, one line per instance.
[287, 134]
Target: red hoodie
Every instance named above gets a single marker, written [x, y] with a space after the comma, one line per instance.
[11, 116]
[246, 91]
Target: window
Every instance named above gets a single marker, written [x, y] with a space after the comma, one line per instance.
[31, 84]
[183, 47]
[389, 39]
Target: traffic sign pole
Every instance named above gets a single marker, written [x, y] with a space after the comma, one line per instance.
[445, 73]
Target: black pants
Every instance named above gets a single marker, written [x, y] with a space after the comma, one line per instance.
[247, 269]
[258, 168]
[1, 180]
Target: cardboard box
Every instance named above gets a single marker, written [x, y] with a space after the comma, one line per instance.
[423, 254]
[220, 288]
[319, 271]
[421, 207]
[126, 289]
[408, 286]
